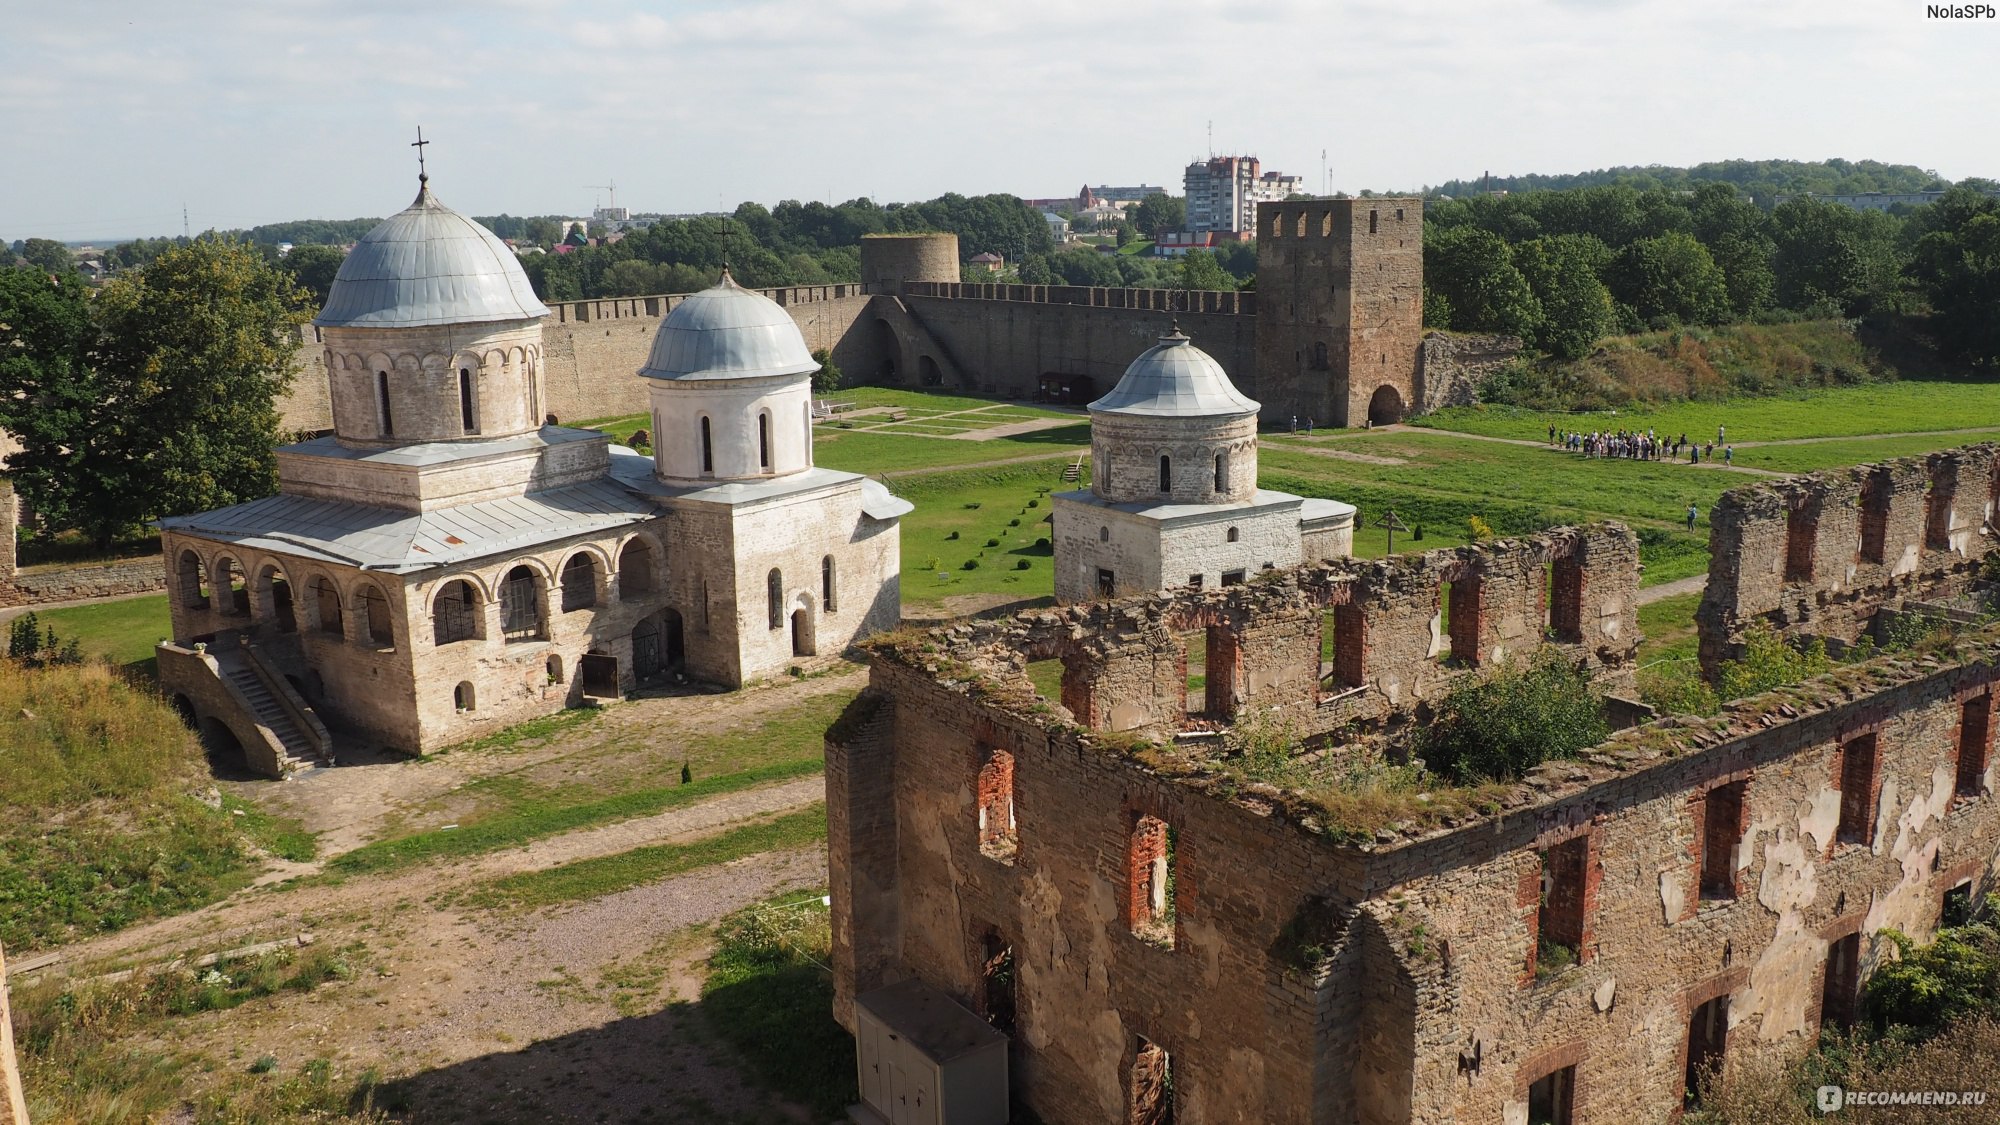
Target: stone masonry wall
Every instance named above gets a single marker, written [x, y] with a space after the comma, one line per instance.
[61, 583]
[1820, 554]
[1450, 367]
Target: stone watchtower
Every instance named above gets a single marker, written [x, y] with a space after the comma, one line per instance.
[1173, 498]
[1340, 309]
[889, 260]
[432, 333]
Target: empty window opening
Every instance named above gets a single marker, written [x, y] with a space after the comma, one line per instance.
[707, 447]
[1858, 773]
[1840, 982]
[1566, 600]
[1340, 647]
[804, 643]
[1150, 870]
[774, 599]
[1374, 221]
[281, 604]
[1875, 517]
[1107, 583]
[1721, 834]
[229, 582]
[579, 583]
[1233, 577]
[995, 785]
[1104, 535]
[554, 665]
[520, 606]
[1222, 472]
[326, 606]
[376, 612]
[1937, 512]
[1194, 581]
[1708, 1036]
[1166, 474]
[1975, 742]
[1561, 921]
[1801, 536]
[468, 418]
[635, 568]
[827, 594]
[1234, 535]
[996, 982]
[193, 581]
[382, 404]
[1956, 910]
[764, 441]
[1464, 617]
[463, 696]
[1551, 1097]
[1152, 1086]
[455, 614]
[1399, 214]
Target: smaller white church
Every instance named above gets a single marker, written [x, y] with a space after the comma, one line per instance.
[446, 563]
[1173, 500]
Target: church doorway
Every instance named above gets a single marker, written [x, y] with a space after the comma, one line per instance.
[674, 639]
[599, 671]
[802, 633]
[1386, 407]
[646, 649]
[928, 372]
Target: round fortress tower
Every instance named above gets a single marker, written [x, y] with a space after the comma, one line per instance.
[730, 379]
[432, 333]
[1174, 430]
[890, 260]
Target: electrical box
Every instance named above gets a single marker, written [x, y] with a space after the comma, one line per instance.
[925, 1059]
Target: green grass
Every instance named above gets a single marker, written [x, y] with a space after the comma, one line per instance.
[1136, 246]
[1001, 494]
[282, 836]
[123, 632]
[879, 451]
[1906, 407]
[1853, 451]
[1669, 628]
[604, 875]
[534, 730]
[514, 811]
[770, 996]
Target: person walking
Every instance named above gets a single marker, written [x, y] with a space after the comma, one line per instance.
[1552, 433]
[1728, 454]
[1719, 431]
[1692, 513]
[1295, 423]
[1309, 425]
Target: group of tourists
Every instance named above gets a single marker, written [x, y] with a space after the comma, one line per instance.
[1642, 445]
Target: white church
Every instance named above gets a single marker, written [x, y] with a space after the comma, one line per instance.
[1173, 500]
[445, 564]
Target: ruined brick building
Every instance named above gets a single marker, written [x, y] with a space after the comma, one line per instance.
[1334, 331]
[448, 561]
[1174, 921]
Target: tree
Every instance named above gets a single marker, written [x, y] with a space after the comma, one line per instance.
[48, 255]
[1956, 262]
[826, 380]
[1198, 269]
[312, 269]
[173, 409]
[1159, 212]
[1576, 307]
[1671, 279]
[1474, 271]
[1819, 262]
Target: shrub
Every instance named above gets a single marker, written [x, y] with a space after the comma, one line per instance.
[1479, 530]
[953, 535]
[1522, 715]
[1043, 541]
[971, 564]
[1034, 503]
[970, 505]
[1022, 564]
[992, 542]
[1769, 662]
[1015, 522]
[1927, 987]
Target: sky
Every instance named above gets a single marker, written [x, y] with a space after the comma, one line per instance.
[119, 113]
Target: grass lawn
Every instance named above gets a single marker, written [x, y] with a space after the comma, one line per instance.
[1006, 505]
[1669, 628]
[1851, 451]
[1880, 408]
[1136, 246]
[879, 452]
[123, 632]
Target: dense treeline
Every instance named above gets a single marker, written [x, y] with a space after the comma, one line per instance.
[1760, 178]
[791, 244]
[1563, 269]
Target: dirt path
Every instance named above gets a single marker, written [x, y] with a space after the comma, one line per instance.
[1692, 584]
[1710, 464]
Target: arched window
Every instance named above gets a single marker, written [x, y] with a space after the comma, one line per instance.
[555, 668]
[375, 610]
[280, 592]
[193, 581]
[326, 602]
[1166, 473]
[826, 592]
[707, 447]
[579, 583]
[635, 569]
[774, 590]
[467, 416]
[764, 440]
[382, 403]
[462, 696]
[455, 614]
[1222, 472]
[521, 605]
[1234, 535]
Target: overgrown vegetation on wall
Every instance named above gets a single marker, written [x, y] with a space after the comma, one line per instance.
[1526, 712]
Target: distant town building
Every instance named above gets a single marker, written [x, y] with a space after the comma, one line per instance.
[1058, 227]
[1223, 192]
[990, 262]
[1174, 244]
[1875, 200]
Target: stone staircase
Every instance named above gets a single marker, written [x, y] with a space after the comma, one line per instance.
[300, 741]
[1074, 473]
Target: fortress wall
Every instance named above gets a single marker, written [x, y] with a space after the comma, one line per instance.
[1004, 346]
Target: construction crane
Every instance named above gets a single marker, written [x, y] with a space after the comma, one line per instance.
[611, 187]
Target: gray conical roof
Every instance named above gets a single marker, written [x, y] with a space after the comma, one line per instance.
[728, 332]
[1175, 379]
[424, 265]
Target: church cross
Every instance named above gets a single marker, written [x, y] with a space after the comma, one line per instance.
[418, 144]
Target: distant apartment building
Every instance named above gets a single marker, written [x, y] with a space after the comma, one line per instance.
[1875, 200]
[1223, 193]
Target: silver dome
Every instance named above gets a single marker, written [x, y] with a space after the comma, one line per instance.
[425, 265]
[728, 332]
[1175, 379]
